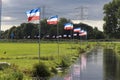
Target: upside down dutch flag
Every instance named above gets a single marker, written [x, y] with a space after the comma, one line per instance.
[33, 14]
[77, 30]
[53, 20]
[83, 33]
[68, 26]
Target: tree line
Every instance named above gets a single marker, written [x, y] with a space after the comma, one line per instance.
[111, 27]
[31, 31]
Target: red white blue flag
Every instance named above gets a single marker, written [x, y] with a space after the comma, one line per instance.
[33, 14]
[83, 33]
[53, 20]
[77, 30]
[68, 26]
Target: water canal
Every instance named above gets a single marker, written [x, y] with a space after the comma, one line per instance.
[99, 64]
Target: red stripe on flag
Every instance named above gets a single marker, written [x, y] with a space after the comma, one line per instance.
[52, 22]
[68, 28]
[33, 18]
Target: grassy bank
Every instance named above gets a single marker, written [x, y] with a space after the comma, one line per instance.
[25, 55]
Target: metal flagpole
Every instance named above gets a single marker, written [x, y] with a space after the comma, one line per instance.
[39, 26]
[80, 41]
[58, 39]
[71, 40]
[86, 38]
[0, 16]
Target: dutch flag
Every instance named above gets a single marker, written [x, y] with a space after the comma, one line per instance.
[53, 20]
[77, 30]
[68, 26]
[83, 33]
[33, 14]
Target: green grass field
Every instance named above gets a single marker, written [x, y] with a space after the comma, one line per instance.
[25, 55]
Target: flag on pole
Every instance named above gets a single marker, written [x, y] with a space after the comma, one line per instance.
[64, 35]
[68, 26]
[33, 14]
[74, 34]
[77, 30]
[83, 33]
[53, 20]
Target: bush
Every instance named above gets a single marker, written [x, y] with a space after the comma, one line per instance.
[4, 65]
[80, 50]
[11, 75]
[17, 76]
[64, 63]
[41, 70]
[54, 70]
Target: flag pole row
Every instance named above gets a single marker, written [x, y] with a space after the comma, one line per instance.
[35, 15]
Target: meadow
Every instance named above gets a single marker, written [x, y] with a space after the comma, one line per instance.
[25, 55]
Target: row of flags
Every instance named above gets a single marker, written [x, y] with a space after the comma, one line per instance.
[34, 14]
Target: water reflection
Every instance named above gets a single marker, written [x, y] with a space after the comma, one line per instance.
[83, 62]
[100, 64]
[111, 65]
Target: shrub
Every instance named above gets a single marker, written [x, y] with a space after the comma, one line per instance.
[54, 70]
[64, 63]
[10, 74]
[17, 75]
[80, 50]
[41, 70]
[4, 65]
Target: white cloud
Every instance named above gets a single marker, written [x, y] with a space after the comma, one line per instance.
[7, 18]
[14, 14]
[5, 27]
[93, 23]
[5, 1]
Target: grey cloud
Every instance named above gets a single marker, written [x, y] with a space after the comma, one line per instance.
[63, 8]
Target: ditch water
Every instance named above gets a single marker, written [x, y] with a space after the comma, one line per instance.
[99, 64]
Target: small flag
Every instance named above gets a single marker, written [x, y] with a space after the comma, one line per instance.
[69, 36]
[74, 34]
[33, 14]
[83, 33]
[64, 35]
[68, 26]
[53, 20]
[77, 30]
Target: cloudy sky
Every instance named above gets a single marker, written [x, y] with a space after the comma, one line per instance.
[13, 11]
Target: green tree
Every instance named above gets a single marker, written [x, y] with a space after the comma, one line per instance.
[87, 28]
[31, 31]
[98, 34]
[111, 18]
